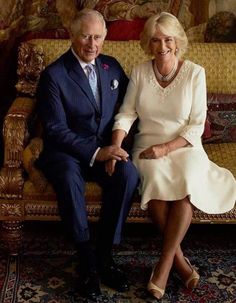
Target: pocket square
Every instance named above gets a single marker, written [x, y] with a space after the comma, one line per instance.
[114, 84]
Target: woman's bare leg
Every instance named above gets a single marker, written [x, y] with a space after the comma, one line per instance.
[179, 216]
[159, 211]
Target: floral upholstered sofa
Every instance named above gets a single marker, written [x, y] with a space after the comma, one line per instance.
[25, 194]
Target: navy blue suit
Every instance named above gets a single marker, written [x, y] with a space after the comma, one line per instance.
[74, 127]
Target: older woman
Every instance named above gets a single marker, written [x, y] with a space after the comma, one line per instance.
[168, 96]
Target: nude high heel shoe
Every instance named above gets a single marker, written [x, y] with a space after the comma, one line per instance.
[193, 279]
[156, 291]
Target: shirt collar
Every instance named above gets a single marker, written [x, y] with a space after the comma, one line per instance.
[82, 63]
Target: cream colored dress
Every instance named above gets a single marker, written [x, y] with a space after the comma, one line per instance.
[164, 114]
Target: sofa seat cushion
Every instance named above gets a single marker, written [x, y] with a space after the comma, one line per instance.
[223, 154]
[43, 205]
[93, 192]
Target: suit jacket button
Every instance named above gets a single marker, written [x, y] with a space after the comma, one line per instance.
[98, 119]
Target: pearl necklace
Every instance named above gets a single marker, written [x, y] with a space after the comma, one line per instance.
[169, 76]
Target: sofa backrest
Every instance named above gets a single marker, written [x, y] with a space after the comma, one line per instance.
[218, 59]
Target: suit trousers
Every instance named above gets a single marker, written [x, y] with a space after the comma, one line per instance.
[68, 179]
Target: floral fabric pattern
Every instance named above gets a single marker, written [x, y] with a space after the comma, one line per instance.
[132, 9]
[221, 28]
[222, 118]
[32, 16]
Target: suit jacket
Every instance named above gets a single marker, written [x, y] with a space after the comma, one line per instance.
[72, 122]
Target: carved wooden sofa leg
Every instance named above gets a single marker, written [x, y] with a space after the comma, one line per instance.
[12, 235]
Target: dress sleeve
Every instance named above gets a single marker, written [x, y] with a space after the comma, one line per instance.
[194, 130]
[127, 112]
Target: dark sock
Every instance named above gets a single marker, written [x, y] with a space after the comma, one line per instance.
[86, 257]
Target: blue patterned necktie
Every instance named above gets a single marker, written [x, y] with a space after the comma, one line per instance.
[92, 77]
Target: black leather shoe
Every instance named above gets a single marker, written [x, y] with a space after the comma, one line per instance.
[113, 277]
[91, 286]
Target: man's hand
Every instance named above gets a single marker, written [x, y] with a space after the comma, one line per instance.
[112, 152]
[110, 167]
[155, 151]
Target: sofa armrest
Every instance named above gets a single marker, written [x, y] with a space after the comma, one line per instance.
[15, 138]
[15, 130]
[11, 182]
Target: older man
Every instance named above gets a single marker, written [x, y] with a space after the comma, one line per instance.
[78, 96]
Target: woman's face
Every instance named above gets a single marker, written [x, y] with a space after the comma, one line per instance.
[163, 47]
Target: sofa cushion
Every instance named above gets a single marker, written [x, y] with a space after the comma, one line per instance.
[221, 27]
[30, 155]
[125, 29]
[196, 33]
[222, 118]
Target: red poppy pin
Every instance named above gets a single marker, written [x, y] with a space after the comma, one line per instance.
[105, 66]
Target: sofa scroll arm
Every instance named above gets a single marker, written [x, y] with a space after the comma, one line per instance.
[15, 130]
[17, 121]
[15, 138]
[30, 65]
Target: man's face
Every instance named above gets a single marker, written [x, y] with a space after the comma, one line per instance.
[87, 43]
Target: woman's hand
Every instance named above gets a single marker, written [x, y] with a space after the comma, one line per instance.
[155, 151]
[110, 167]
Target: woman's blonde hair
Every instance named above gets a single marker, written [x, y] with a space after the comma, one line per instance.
[169, 25]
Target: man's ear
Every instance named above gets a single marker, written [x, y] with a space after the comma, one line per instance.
[105, 34]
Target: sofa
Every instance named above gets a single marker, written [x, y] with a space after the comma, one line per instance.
[25, 194]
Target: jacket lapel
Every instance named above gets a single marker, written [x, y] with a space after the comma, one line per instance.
[77, 74]
[104, 82]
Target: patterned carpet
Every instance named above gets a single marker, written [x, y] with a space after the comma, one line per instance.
[46, 269]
